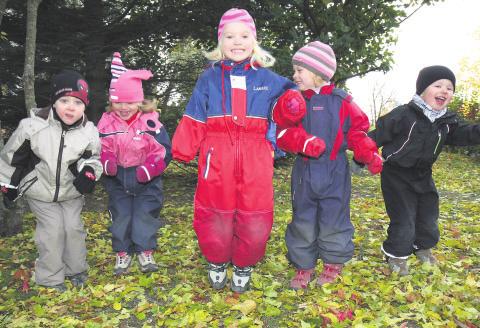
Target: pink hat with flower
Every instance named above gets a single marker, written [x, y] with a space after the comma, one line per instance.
[126, 85]
[236, 15]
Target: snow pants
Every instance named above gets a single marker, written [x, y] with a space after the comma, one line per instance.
[233, 206]
[60, 239]
[134, 210]
[321, 226]
[411, 201]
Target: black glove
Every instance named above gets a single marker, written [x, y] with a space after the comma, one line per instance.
[9, 195]
[85, 180]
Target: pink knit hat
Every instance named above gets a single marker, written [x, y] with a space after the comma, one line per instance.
[318, 58]
[236, 15]
[126, 85]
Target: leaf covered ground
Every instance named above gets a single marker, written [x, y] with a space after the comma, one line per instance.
[368, 294]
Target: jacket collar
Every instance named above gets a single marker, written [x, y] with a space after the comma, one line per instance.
[325, 90]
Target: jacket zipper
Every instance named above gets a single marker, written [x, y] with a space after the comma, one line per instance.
[207, 166]
[24, 189]
[438, 142]
[59, 166]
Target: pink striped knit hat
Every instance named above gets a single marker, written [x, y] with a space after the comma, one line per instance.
[236, 15]
[318, 58]
[126, 85]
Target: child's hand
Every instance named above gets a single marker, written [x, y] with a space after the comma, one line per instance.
[150, 169]
[290, 109]
[9, 195]
[314, 147]
[85, 180]
[365, 150]
[109, 163]
[376, 165]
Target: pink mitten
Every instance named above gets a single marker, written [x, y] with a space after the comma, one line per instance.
[109, 163]
[289, 109]
[150, 169]
[314, 147]
[376, 165]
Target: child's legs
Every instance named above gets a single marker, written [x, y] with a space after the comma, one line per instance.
[50, 239]
[426, 228]
[401, 205]
[146, 221]
[120, 206]
[251, 232]
[214, 202]
[214, 229]
[254, 199]
[302, 233]
[75, 252]
[335, 230]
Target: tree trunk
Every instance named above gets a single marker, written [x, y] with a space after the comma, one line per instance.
[3, 5]
[96, 73]
[30, 45]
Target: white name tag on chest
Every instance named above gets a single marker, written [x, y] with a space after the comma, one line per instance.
[238, 82]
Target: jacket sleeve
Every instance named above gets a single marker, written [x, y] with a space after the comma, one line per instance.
[91, 155]
[359, 125]
[15, 156]
[163, 142]
[386, 128]
[464, 134]
[106, 140]
[191, 130]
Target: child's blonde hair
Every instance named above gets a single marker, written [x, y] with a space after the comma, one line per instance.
[259, 55]
[147, 106]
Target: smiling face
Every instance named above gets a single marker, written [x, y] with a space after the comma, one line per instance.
[237, 41]
[438, 94]
[125, 110]
[69, 109]
[305, 79]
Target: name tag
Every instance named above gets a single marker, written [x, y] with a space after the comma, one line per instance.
[238, 82]
[317, 108]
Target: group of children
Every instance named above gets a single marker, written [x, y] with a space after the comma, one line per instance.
[55, 156]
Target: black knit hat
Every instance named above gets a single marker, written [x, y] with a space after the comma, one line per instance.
[430, 74]
[69, 83]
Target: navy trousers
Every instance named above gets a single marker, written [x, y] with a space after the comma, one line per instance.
[134, 209]
[321, 226]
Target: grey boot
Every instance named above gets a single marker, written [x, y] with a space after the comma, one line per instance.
[398, 265]
[426, 256]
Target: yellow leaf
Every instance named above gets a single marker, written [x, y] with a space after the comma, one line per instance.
[108, 287]
[245, 307]
[117, 306]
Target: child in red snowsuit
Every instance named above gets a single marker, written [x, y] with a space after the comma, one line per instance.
[226, 122]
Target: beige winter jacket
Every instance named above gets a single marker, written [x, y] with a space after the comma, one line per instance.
[42, 159]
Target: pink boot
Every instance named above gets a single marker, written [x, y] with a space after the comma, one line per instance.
[302, 278]
[330, 273]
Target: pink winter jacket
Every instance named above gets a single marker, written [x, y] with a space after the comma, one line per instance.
[131, 144]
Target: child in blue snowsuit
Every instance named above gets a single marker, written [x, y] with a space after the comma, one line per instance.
[321, 185]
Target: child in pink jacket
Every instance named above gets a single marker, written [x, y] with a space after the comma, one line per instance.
[135, 152]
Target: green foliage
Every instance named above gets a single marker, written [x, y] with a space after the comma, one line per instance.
[179, 294]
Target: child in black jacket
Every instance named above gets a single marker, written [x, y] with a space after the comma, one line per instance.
[412, 136]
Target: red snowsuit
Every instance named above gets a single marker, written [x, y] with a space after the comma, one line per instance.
[226, 122]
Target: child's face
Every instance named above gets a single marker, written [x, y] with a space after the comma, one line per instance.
[237, 41]
[125, 110]
[438, 94]
[304, 79]
[69, 109]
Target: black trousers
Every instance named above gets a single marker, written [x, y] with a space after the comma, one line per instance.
[411, 201]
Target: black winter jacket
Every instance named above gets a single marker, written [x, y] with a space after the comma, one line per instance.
[409, 139]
